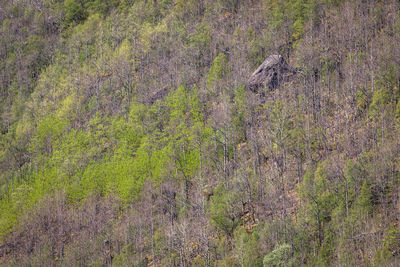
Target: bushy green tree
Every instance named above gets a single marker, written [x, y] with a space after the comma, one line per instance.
[224, 210]
[364, 200]
[246, 248]
[318, 192]
[75, 12]
[279, 257]
[218, 70]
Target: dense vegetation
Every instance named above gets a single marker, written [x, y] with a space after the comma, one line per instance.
[128, 136]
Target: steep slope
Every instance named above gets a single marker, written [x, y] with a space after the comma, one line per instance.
[128, 136]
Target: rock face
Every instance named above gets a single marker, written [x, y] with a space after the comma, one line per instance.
[272, 72]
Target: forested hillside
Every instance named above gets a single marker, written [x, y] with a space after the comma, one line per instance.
[129, 136]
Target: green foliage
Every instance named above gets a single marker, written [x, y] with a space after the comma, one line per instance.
[102, 6]
[280, 256]
[246, 249]
[390, 247]
[318, 192]
[218, 69]
[239, 114]
[201, 37]
[75, 12]
[327, 249]
[47, 131]
[224, 210]
[177, 102]
[380, 99]
[299, 13]
[364, 200]
[385, 97]
[289, 17]
[257, 46]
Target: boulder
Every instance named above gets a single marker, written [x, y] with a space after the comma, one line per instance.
[272, 72]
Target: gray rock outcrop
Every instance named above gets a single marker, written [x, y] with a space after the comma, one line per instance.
[272, 72]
